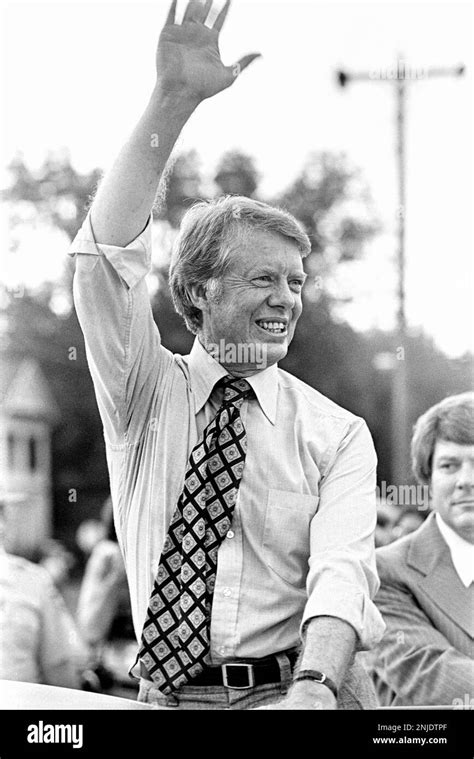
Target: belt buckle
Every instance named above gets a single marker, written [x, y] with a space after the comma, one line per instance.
[238, 666]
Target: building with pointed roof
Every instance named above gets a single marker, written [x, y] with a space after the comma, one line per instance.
[28, 413]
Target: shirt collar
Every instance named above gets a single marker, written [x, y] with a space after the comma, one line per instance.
[205, 371]
[462, 552]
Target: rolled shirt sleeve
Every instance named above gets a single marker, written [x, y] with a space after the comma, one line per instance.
[131, 263]
[342, 579]
[123, 344]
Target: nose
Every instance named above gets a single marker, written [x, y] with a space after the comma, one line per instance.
[282, 296]
[465, 478]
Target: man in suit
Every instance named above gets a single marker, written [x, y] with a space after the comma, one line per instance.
[427, 593]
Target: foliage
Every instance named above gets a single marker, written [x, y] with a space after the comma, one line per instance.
[180, 187]
[330, 199]
[58, 192]
[236, 174]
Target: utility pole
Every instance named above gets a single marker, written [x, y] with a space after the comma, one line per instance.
[398, 76]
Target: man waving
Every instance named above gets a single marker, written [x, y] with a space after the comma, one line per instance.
[244, 500]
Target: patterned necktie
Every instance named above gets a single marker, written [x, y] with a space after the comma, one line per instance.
[176, 634]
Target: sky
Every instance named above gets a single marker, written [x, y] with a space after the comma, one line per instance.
[78, 75]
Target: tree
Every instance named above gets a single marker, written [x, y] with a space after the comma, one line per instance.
[180, 187]
[431, 374]
[58, 193]
[236, 174]
[330, 199]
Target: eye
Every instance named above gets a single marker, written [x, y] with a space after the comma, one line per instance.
[263, 278]
[296, 284]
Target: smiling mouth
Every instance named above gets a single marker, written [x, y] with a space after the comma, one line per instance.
[272, 326]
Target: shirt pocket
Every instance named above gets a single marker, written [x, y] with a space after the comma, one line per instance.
[286, 534]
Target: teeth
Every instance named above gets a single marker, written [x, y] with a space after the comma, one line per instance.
[273, 326]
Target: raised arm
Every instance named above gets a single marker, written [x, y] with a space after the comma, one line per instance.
[189, 69]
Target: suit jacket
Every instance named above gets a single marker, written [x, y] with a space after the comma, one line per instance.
[357, 689]
[426, 654]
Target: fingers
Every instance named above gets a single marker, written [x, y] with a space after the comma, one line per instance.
[171, 13]
[193, 11]
[197, 12]
[242, 64]
[219, 22]
[234, 71]
[204, 11]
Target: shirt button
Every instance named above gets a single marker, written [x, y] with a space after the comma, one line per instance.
[230, 534]
[227, 592]
[223, 650]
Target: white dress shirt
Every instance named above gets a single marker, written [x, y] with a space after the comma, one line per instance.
[462, 552]
[37, 632]
[301, 541]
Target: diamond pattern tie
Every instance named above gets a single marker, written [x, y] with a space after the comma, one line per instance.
[176, 634]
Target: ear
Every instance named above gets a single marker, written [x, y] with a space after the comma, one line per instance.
[198, 296]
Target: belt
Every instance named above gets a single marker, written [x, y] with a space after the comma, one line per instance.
[241, 674]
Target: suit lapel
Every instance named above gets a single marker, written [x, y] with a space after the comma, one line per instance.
[430, 555]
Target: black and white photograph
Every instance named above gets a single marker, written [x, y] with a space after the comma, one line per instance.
[236, 371]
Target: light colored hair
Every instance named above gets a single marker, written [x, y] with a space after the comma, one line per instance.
[209, 233]
[452, 420]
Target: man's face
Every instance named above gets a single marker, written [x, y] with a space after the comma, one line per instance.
[452, 486]
[255, 314]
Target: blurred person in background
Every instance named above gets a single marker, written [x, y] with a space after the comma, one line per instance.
[58, 561]
[387, 516]
[89, 533]
[104, 612]
[408, 521]
[427, 593]
[263, 591]
[39, 640]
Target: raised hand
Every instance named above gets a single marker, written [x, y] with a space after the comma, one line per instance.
[188, 61]
[189, 69]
